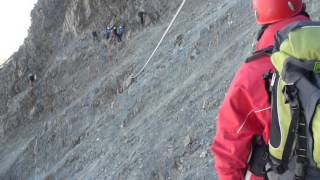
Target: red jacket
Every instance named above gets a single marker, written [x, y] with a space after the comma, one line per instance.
[245, 112]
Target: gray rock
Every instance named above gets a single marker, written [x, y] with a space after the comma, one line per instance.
[67, 125]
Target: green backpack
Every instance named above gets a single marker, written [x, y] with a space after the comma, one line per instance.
[295, 99]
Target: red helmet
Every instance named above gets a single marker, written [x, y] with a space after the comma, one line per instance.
[270, 11]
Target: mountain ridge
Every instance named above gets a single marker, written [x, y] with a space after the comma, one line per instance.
[81, 119]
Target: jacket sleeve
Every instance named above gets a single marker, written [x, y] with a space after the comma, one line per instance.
[236, 126]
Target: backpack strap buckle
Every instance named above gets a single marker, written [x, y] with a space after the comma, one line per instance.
[291, 95]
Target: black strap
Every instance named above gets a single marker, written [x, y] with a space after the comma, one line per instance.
[267, 84]
[290, 92]
[261, 31]
[263, 52]
[297, 130]
[259, 157]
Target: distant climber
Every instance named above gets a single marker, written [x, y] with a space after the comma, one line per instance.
[120, 31]
[32, 78]
[178, 40]
[141, 15]
[94, 35]
[108, 32]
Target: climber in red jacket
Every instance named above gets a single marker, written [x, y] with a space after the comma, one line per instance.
[246, 112]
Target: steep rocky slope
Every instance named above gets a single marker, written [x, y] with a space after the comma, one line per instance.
[82, 120]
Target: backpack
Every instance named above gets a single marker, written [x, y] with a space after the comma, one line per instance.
[294, 91]
[295, 98]
[120, 30]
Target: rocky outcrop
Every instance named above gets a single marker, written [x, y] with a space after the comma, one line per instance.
[59, 27]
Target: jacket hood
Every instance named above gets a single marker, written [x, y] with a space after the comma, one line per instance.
[267, 38]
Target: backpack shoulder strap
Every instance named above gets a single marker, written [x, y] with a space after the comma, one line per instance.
[263, 52]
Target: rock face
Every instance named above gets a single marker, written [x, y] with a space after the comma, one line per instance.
[82, 119]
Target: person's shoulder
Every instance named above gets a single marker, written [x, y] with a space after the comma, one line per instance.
[259, 64]
[252, 72]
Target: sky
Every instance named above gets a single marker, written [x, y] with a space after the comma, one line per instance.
[15, 21]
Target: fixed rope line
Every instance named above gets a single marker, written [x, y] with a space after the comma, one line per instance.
[163, 36]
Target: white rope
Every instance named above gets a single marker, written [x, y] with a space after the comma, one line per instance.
[163, 36]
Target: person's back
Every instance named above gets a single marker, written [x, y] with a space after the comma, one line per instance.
[109, 29]
[108, 32]
[120, 32]
[246, 111]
